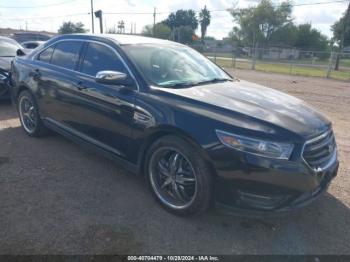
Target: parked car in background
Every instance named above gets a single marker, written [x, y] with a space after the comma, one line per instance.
[8, 48]
[164, 110]
[32, 44]
[21, 37]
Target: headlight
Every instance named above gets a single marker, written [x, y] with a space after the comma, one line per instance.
[256, 146]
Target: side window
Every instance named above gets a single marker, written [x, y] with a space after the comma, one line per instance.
[98, 58]
[45, 56]
[66, 54]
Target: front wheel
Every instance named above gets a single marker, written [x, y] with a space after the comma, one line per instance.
[29, 115]
[179, 178]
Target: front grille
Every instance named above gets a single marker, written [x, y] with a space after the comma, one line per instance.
[319, 150]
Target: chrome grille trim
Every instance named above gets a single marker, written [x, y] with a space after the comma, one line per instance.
[320, 152]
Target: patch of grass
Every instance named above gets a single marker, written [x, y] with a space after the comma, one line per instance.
[345, 62]
[287, 69]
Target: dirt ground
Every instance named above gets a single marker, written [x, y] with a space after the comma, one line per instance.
[57, 198]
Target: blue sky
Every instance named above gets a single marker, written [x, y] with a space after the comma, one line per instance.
[50, 17]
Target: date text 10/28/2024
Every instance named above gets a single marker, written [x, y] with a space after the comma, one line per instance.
[173, 258]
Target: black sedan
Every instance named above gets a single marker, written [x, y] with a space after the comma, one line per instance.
[163, 110]
[8, 48]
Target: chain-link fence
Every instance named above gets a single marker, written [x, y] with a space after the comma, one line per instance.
[281, 60]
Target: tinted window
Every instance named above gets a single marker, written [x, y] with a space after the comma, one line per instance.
[45, 55]
[98, 58]
[66, 54]
[169, 65]
[31, 46]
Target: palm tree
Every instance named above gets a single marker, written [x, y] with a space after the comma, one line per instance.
[204, 21]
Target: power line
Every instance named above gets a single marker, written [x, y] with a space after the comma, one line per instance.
[218, 10]
[42, 17]
[322, 3]
[38, 6]
[148, 13]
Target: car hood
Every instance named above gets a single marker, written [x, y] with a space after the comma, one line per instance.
[261, 103]
[5, 63]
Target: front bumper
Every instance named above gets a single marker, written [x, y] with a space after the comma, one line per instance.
[255, 185]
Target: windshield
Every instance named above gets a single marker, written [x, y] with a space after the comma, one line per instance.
[174, 65]
[8, 47]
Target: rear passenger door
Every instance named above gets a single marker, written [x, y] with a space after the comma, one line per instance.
[57, 81]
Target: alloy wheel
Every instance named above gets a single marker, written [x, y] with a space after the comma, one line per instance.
[172, 178]
[27, 114]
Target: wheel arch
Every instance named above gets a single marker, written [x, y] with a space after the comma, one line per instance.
[167, 131]
[19, 90]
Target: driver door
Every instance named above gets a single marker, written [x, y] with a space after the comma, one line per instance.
[102, 113]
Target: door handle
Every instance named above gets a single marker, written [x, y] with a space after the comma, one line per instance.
[79, 85]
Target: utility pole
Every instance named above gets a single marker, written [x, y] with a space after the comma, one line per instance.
[92, 17]
[98, 14]
[154, 22]
[341, 43]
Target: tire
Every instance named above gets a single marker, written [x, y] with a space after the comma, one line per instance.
[184, 187]
[29, 115]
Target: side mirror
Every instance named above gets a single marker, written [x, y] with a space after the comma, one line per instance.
[116, 78]
[20, 52]
[111, 78]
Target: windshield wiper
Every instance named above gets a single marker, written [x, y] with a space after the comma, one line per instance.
[214, 80]
[179, 85]
[189, 84]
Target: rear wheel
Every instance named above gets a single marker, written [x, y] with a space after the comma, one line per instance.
[29, 115]
[179, 178]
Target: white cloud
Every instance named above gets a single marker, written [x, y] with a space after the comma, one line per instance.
[321, 16]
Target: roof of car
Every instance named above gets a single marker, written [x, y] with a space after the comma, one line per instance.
[34, 41]
[123, 39]
[8, 39]
[135, 39]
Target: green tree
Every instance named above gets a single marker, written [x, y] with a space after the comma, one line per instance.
[337, 29]
[70, 28]
[310, 39]
[183, 24]
[204, 21]
[161, 31]
[183, 34]
[341, 33]
[286, 35]
[182, 18]
[257, 24]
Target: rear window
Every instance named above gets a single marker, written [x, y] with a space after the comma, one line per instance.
[31, 45]
[66, 54]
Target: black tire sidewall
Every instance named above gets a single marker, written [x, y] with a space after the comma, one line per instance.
[39, 130]
[204, 194]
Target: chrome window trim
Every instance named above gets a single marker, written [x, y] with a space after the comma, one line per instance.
[332, 159]
[34, 57]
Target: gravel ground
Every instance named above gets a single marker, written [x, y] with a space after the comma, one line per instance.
[57, 198]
